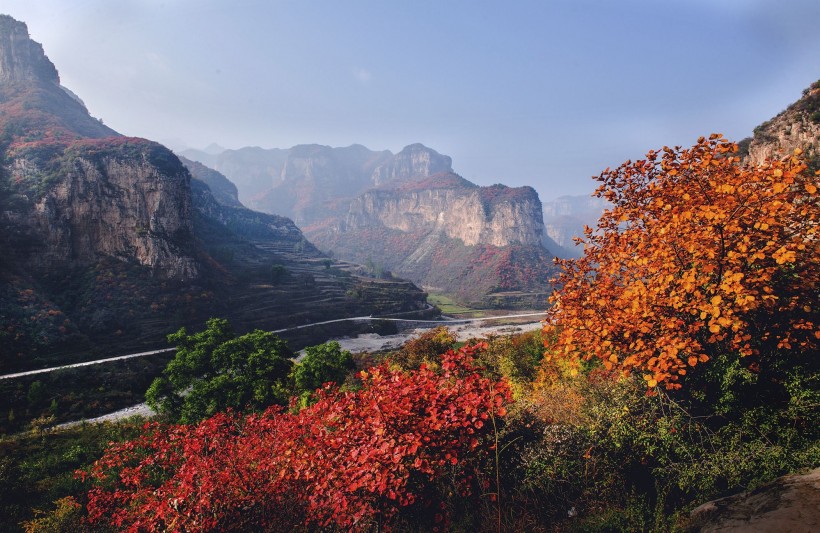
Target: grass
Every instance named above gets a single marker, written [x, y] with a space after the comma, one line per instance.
[37, 467]
[450, 307]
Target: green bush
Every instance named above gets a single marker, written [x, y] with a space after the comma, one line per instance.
[321, 364]
[214, 370]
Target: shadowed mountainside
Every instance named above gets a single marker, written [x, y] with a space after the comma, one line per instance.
[109, 243]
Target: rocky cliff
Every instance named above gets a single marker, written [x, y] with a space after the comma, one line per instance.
[796, 127]
[298, 182]
[108, 243]
[481, 245]
[81, 191]
[414, 161]
[408, 213]
[22, 59]
[119, 197]
[305, 181]
[450, 205]
[94, 226]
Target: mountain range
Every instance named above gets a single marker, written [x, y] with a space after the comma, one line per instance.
[407, 213]
[109, 243]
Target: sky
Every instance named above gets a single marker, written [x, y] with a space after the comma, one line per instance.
[545, 93]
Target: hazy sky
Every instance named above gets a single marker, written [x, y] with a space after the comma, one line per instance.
[542, 93]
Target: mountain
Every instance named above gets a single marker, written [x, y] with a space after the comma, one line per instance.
[87, 192]
[798, 126]
[484, 246]
[565, 218]
[296, 182]
[407, 213]
[304, 181]
[222, 189]
[109, 243]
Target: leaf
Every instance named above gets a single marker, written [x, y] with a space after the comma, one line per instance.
[672, 258]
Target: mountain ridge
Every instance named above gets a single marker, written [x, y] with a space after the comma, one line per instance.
[110, 243]
[402, 213]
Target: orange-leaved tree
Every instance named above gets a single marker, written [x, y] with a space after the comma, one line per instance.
[700, 254]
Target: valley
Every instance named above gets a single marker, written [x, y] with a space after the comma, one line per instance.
[322, 338]
[407, 214]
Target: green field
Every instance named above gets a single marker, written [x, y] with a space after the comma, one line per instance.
[449, 307]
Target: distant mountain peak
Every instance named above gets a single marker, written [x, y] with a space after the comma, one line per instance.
[32, 98]
[213, 149]
[414, 161]
[21, 59]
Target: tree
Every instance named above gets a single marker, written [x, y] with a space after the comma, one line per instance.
[325, 363]
[352, 461]
[214, 370]
[278, 273]
[426, 348]
[700, 254]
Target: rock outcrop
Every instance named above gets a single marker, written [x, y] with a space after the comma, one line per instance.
[21, 59]
[122, 198]
[790, 503]
[796, 127]
[480, 245]
[450, 205]
[108, 244]
[414, 161]
[407, 213]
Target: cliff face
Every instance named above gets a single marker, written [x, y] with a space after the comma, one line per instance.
[22, 59]
[123, 198]
[480, 245]
[78, 189]
[454, 207]
[414, 161]
[796, 127]
[108, 244]
[408, 213]
[104, 201]
[305, 181]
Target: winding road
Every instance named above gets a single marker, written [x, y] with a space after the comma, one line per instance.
[354, 319]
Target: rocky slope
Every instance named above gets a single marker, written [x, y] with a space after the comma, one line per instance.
[297, 182]
[485, 246]
[789, 503]
[407, 213]
[109, 243]
[222, 189]
[796, 127]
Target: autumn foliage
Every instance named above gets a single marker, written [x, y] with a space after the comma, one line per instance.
[700, 254]
[351, 460]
